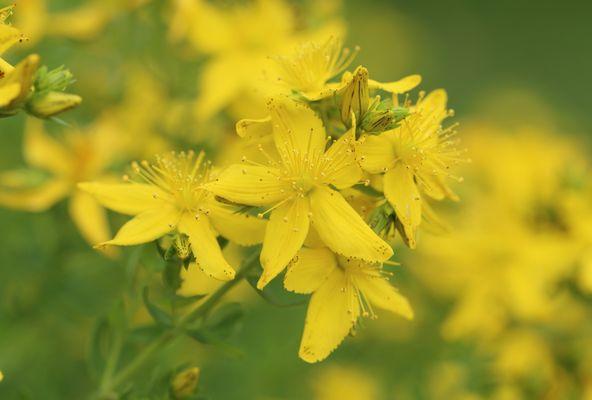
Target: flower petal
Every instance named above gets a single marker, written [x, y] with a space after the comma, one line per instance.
[89, 217]
[43, 151]
[298, 132]
[329, 318]
[309, 270]
[205, 247]
[38, 198]
[434, 102]
[401, 86]
[379, 292]
[125, 198]
[249, 184]
[8, 93]
[241, 228]
[254, 128]
[401, 191]
[146, 227]
[285, 234]
[219, 84]
[9, 36]
[375, 153]
[342, 169]
[343, 230]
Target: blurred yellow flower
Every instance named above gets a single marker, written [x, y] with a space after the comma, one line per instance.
[338, 382]
[168, 195]
[415, 158]
[298, 189]
[55, 169]
[343, 289]
[83, 22]
[239, 40]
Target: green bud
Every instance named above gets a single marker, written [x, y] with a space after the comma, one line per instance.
[185, 383]
[355, 97]
[382, 116]
[49, 104]
[57, 79]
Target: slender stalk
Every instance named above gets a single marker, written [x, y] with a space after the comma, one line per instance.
[165, 338]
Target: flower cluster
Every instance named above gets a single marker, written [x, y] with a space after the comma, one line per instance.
[329, 143]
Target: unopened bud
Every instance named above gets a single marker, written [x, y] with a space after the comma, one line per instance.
[383, 117]
[45, 105]
[355, 96]
[182, 246]
[185, 383]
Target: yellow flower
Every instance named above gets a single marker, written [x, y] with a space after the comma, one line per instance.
[84, 22]
[415, 157]
[312, 65]
[343, 289]
[239, 41]
[298, 189]
[55, 169]
[168, 195]
[15, 82]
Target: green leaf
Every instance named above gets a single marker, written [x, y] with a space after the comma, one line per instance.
[225, 319]
[159, 315]
[99, 344]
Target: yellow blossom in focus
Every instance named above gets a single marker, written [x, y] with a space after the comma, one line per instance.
[55, 168]
[343, 289]
[168, 195]
[297, 188]
[415, 159]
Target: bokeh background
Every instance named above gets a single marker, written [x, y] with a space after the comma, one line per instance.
[515, 70]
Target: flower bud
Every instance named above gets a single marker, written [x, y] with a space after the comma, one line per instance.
[185, 382]
[383, 117]
[355, 96]
[45, 105]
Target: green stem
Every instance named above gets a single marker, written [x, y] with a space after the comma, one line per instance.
[165, 338]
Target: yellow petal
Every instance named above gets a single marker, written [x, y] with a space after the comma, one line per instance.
[82, 23]
[284, 236]
[43, 151]
[343, 230]
[435, 101]
[205, 247]
[89, 217]
[8, 93]
[241, 228]
[298, 132]
[125, 198]
[249, 184]
[375, 153]
[23, 74]
[401, 86]
[329, 318]
[310, 269]
[379, 292]
[254, 128]
[38, 198]
[9, 36]
[146, 227]
[221, 82]
[401, 191]
[342, 169]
